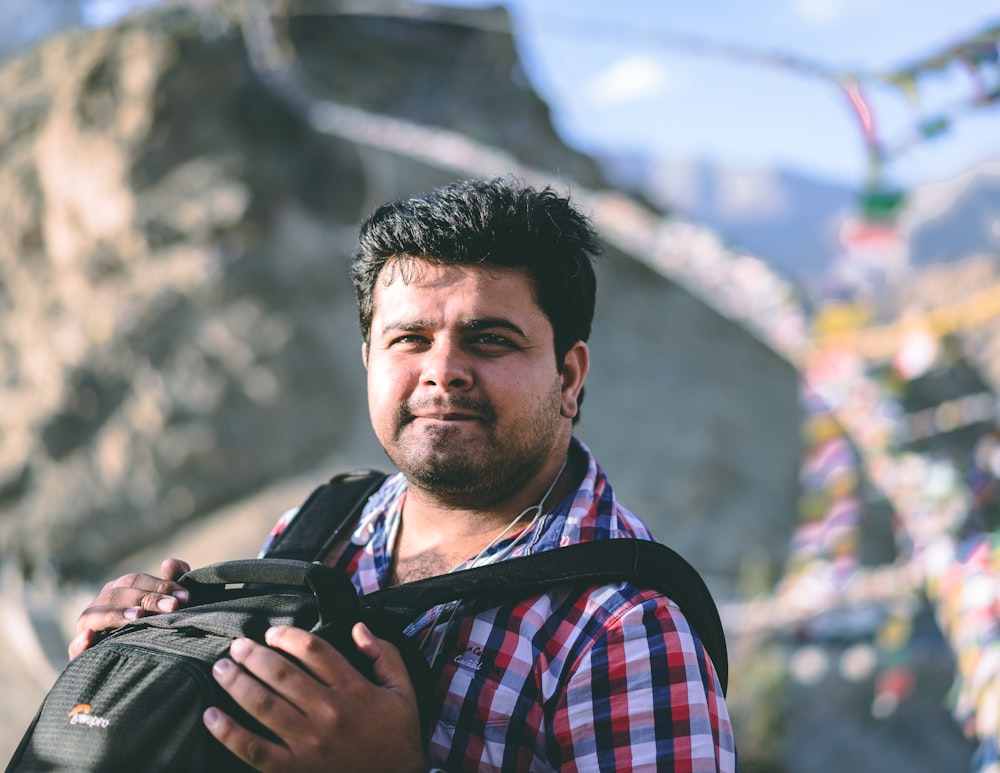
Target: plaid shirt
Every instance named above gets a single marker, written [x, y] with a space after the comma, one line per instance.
[609, 678]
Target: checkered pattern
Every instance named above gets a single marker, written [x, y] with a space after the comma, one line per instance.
[608, 678]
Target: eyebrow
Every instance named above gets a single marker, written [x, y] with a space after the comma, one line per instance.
[477, 323]
[493, 322]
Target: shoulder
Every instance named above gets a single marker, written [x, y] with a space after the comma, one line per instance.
[640, 630]
[643, 624]
[643, 667]
[569, 623]
[641, 597]
[614, 606]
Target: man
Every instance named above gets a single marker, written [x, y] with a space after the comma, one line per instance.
[475, 304]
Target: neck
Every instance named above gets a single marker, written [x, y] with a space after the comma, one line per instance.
[433, 538]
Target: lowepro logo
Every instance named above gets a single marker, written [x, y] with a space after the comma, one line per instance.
[80, 715]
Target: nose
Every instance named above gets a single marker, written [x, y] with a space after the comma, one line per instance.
[445, 366]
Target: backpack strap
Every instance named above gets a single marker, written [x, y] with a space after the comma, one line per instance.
[333, 508]
[642, 562]
[326, 515]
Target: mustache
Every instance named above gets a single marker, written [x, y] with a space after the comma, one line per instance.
[410, 409]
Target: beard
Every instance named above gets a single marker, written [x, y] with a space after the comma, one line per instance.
[474, 469]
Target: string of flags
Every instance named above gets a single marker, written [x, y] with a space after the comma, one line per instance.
[978, 56]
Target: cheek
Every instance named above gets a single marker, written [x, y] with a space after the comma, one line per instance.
[523, 391]
[387, 388]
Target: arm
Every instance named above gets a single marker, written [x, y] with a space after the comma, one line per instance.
[127, 598]
[325, 714]
[644, 696]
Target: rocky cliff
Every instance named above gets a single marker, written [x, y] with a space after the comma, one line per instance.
[178, 326]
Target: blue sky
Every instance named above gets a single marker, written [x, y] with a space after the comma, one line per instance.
[615, 77]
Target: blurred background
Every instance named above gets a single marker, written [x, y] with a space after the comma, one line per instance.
[795, 365]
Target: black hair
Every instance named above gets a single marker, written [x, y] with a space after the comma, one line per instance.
[498, 222]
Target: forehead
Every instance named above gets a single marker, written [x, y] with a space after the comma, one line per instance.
[411, 283]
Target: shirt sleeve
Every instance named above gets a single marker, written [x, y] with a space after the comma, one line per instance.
[644, 696]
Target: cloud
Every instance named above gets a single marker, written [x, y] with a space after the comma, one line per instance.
[629, 79]
[841, 13]
[820, 13]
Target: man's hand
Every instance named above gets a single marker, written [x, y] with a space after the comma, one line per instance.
[327, 715]
[130, 596]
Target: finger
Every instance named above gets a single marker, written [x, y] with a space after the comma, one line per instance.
[324, 662]
[173, 568]
[273, 668]
[146, 582]
[164, 596]
[266, 684]
[122, 605]
[129, 597]
[103, 617]
[81, 641]
[258, 752]
[388, 665]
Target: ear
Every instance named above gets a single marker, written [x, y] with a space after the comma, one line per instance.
[364, 354]
[575, 367]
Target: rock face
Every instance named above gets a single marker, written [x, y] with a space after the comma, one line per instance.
[178, 324]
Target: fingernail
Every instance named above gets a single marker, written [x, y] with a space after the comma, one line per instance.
[132, 613]
[211, 716]
[270, 635]
[239, 646]
[222, 667]
[181, 595]
[167, 604]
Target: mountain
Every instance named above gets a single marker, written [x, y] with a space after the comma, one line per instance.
[787, 219]
[792, 221]
[956, 218]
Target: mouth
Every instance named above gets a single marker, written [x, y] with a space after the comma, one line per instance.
[446, 413]
[448, 417]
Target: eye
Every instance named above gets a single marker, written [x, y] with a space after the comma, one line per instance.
[409, 339]
[493, 340]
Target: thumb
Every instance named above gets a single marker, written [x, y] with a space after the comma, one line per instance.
[387, 664]
[173, 568]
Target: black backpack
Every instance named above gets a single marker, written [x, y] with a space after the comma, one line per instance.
[134, 700]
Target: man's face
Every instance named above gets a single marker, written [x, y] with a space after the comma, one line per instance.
[463, 388]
